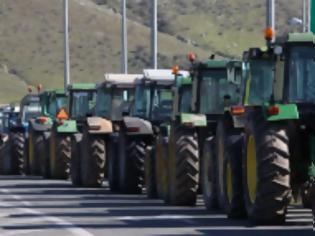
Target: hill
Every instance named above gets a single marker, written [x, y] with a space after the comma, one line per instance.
[31, 42]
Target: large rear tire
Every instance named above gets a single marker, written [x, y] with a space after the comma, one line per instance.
[150, 173]
[183, 167]
[6, 160]
[36, 142]
[75, 167]
[131, 165]
[93, 160]
[266, 170]
[44, 154]
[60, 155]
[209, 175]
[113, 164]
[161, 174]
[229, 169]
[17, 141]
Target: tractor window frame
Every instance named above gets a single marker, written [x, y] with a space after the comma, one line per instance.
[287, 73]
[247, 90]
[71, 105]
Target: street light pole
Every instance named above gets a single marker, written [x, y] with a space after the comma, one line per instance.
[124, 43]
[154, 30]
[66, 45]
[270, 23]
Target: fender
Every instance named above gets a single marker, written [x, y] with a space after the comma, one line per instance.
[40, 127]
[137, 126]
[67, 126]
[98, 125]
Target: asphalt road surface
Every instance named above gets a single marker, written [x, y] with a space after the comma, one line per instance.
[32, 206]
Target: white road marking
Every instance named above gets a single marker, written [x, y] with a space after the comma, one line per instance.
[73, 229]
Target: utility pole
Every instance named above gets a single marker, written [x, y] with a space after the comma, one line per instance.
[154, 30]
[270, 23]
[66, 45]
[124, 43]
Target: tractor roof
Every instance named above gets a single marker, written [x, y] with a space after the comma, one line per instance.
[301, 37]
[162, 76]
[213, 64]
[121, 80]
[183, 80]
[60, 91]
[82, 86]
[30, 98]
[234, 64]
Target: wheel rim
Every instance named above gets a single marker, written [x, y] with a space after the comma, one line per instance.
[229, 187]
[251, 168]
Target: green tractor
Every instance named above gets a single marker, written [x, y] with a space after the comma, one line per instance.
[280, 148]
[113, 99]
[210, 91]
[152, 106]
[156, 174]
[82, 102]
[51, 130]
[50, 151]
[19, 133]
[274, 124]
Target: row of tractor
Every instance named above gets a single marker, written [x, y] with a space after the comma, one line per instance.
[240, 132]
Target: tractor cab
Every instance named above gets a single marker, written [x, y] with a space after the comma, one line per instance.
[294, 86]
[153, 97]
[29, 109]
[115, 96]
[182, 90]
[52, 101]
[82, 101]
[258, 76]
[211, 89]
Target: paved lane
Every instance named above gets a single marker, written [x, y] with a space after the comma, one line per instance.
[32, 206]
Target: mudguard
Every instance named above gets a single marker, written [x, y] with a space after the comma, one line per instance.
[136, 126]
[40, 127]
[67, 126]
[98, 125]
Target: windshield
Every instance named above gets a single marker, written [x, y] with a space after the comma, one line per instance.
[82, 104]
[302, 74]
[214, 90]
[31, 111]
[111, 103]
[142, 101]
[185, 99]
[55, 106]
[259, 81]
[162, 103]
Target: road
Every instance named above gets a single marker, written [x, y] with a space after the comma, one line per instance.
[32, 206]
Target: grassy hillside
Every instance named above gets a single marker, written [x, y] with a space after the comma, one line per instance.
[31, 36]
[31, 42]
